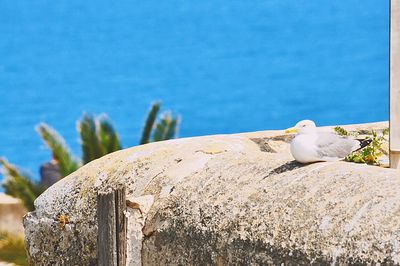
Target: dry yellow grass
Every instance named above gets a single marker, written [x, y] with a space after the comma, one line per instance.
[12, 249]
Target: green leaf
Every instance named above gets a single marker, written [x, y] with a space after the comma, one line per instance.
[148, 125]
[385, 132]
[61, 152]
[172, 129]
[108, 137]
[19, 185]
[90, 143]
[341, 131]
[166, 128]
[371, 153]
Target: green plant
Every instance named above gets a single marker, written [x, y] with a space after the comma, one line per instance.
[148, 125]
[369, 154]
[89, 141]
[343, 132]
[12, 249]
[61, 152]
[19, 184]
[108, 138]
[97, 137]
[166, 128]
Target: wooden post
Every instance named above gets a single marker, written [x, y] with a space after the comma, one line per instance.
[112, 227]
[121, 225]
[394, 84]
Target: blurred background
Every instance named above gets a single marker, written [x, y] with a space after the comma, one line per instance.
[223, 66]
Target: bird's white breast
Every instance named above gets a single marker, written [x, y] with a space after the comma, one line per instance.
[303, 148]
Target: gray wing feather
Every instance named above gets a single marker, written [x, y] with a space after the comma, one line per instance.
[332, 145]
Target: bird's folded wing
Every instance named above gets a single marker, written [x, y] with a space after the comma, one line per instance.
[332, 145]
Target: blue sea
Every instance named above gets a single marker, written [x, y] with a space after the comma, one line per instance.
[224, 66]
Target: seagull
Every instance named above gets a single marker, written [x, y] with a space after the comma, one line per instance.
[311, 145]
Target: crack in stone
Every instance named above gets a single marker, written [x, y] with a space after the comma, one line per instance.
[211, 151]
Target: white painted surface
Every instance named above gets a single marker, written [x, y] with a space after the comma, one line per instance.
[395, 83]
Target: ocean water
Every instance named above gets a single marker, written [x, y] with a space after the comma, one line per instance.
[224, 66]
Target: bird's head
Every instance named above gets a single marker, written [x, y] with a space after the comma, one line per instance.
[304, 126]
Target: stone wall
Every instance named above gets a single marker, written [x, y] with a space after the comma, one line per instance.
[225, 200]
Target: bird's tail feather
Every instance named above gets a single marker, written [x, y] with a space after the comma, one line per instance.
[363, 143]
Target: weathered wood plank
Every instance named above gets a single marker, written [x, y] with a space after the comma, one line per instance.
[112, 227]
[121, 225]
[106, 220]
[394, 82]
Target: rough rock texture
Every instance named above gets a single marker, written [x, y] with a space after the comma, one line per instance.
[225, 200]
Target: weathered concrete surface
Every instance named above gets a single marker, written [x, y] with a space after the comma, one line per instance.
[225, 200]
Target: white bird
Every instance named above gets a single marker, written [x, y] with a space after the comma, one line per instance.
[311, 145]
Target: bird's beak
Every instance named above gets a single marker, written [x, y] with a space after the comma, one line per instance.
[291, 130]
